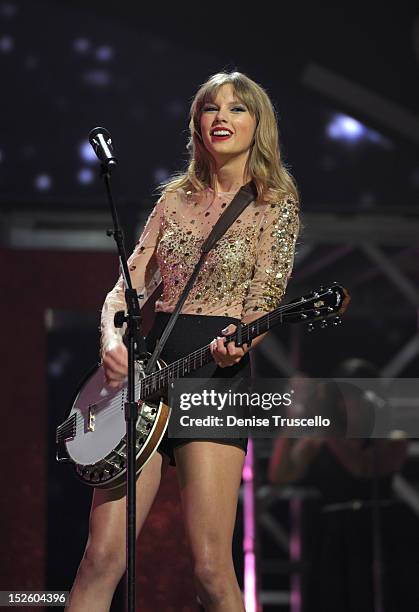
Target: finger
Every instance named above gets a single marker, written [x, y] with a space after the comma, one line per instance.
[220, 347]
[115, 366]
[234, 358]
[121, 358]
[231, 361]
[232, 349]
[114, 375]
[118, 353]
[235, 351]
[111, 376]
[114, 372]
[214, 353]
[230, 329]
[109, 360]
[114, 384]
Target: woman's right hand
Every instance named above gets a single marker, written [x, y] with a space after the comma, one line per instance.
[115, 365]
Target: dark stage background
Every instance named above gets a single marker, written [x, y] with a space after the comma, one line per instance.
[345, 82]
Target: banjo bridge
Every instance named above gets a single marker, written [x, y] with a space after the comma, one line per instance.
[91, 418]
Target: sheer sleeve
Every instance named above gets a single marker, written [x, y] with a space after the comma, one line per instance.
[275, 256]
[145, 277]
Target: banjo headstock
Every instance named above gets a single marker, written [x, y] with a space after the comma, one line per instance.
[318, 308]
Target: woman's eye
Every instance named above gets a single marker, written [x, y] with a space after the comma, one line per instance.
[241, 109]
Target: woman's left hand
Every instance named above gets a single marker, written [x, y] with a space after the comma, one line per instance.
[230, 354]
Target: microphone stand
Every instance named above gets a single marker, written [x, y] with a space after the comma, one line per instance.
[378, 568]
[136, 350]
[376, 535]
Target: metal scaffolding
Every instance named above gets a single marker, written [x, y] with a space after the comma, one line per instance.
[378, 254]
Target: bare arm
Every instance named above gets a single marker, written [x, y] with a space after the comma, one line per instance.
[144, 276]
[389, 456]
[290, 459]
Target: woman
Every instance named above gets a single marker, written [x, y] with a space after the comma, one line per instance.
[347, 473]
[233, 139]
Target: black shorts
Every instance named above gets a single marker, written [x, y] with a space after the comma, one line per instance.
[190, 333]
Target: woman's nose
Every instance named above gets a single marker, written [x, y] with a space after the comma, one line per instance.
[220, 115]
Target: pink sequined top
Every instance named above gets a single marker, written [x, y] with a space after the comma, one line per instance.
[246, 272]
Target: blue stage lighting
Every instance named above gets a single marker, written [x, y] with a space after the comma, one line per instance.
[43, 182]
[86, 153]
[85, 176]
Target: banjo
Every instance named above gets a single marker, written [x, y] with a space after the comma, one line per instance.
[92, 437]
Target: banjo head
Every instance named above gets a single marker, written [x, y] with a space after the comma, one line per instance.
[96, 422]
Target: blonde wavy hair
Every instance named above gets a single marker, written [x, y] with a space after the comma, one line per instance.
[264, 165]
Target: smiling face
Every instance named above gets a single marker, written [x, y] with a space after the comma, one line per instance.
[227, 127]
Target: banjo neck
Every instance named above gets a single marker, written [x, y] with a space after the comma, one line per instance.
[318, 305]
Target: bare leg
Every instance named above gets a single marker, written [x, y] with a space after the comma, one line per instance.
[104, 560]
[209, 477]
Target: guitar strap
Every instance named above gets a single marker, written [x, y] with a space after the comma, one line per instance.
[245, 195]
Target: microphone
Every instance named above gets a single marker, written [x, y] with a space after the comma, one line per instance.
[101, 141]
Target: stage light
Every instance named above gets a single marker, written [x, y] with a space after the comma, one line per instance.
[347, 129]
[104, 53]
[97, 78]
[81, 45]
[56, 366]
[43, 182]
[160, 175]
[8, 10]
[250, 587]
[85, 176]
[342, 127]
[6, 43]
[87, 153]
